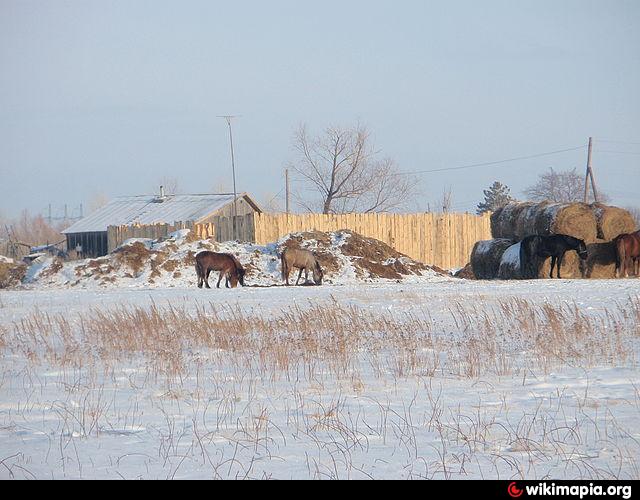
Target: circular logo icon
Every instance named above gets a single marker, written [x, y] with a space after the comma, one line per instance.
[514, 491]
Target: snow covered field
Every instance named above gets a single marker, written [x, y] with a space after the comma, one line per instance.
[441, 378]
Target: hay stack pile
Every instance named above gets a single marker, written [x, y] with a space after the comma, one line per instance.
[596, 224]
[517, 220]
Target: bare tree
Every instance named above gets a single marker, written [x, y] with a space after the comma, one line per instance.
[343, 171]
[447, 200]
[635, 212]
[34, 230]
[270, 202]
[560, 187]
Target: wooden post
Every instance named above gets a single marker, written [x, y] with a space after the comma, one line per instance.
[590, 176]
[286, 181]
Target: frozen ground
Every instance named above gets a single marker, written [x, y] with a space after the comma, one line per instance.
[438, 379]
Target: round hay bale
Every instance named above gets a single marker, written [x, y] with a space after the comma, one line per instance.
[573, 219]
[525, 221]
[611, 222]
[510, 264]
[503, 221]
[486, 257]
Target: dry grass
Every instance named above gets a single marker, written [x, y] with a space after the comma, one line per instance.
[208, 373]
[334, 340]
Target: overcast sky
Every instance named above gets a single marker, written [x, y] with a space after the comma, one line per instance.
[111, 96]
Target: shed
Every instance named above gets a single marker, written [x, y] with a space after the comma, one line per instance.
[90, 233]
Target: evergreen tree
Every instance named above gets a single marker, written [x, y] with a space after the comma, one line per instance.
[495, 197]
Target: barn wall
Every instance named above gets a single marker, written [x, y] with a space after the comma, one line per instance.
[93, 244]
[244, 208]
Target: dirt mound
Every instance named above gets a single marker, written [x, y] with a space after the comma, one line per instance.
[370, 258]
[319, 243]
[466, 273]
[135, 255]
[11, 274]
[345, 256]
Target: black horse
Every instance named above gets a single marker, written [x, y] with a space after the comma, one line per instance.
[535, 249]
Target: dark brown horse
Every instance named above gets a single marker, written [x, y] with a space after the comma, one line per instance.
[300, 259]
[226, 264]
[627, 253]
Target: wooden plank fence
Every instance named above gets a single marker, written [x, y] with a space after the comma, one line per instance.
[444, 240]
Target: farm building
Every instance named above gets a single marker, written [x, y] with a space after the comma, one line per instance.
[91, 233]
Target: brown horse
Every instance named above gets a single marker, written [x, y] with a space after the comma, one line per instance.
[628, 253]
[226, 264]
[300, 259]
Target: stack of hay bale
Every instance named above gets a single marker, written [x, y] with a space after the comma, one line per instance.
[596, 224]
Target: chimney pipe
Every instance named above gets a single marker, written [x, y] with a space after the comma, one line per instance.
[161, 191]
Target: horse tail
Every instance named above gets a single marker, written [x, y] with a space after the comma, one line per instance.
[621, 255]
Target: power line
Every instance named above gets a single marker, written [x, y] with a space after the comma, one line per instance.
[617, 152]
[490, 163]
[278, 194]
[619, 142]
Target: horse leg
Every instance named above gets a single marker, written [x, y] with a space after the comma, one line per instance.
[206, 278]
[559, 263]
[627, 264]
[554, 259]
[199, 275]
[299, 276]
[220, 275]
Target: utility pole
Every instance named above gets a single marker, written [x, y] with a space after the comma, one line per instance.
[286, 180]
[590, 176]
[228, 118]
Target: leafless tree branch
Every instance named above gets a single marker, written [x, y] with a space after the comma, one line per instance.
[343, 174]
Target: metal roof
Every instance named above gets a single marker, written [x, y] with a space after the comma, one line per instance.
[151, 209]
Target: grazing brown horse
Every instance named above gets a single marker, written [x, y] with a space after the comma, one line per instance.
[300, 259]
[627, 253]
[226, 264]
